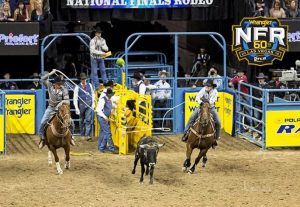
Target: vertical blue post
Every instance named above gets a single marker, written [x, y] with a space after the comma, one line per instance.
[175, 79]
[264, 110]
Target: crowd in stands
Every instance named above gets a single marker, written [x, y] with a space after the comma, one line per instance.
[275, 8]
[24, 10]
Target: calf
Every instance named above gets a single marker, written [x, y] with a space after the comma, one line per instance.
[147, 150]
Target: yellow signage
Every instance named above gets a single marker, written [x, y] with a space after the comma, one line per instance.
[224, 106]
[283, 129]
[2, 133]
[20, 114]
[228, 112]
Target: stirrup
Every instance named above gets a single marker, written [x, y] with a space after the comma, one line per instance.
[41, 144]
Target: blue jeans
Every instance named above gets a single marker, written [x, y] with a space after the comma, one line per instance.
[216, 118]
[50, 110]
[105, 136]
[95, 64]
[86, 120]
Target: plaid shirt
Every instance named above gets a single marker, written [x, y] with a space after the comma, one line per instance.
[55, 96]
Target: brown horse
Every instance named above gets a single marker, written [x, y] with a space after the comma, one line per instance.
[58, 135]
[201, 135]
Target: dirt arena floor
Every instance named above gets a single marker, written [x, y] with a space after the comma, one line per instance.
[237, 174]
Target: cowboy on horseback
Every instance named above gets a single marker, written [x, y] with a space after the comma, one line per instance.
[210, 93]
[57, 93]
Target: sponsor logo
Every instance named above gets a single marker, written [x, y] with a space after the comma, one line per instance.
[260, 40]
[21, 39]
[288, 129]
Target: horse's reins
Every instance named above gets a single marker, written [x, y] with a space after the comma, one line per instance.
[200, 136]
[55, 132]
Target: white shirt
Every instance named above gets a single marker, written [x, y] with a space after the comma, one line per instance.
[161, 94]
[98, 47]
[114, 99]
[218, 82]
[142, 88]
[75, 96]
[100, 107]
[212, 96]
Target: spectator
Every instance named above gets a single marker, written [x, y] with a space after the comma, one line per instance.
[161, 96]
[201, 63]
[260, 9]
[293, 10]
[138, 84]
[45, 5]
[84, 102]
[5, 12]
[36, 83]
[98, 48]
[103, 110]
[69, 66]
[213, 73]
[8, 85]
[277, 11]
[37, 14]
[240, 77]
[261, 78]
[244, 99]
[20, 13]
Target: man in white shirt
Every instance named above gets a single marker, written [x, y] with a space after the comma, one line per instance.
[84, 102]
[103, 110]
[98, 48]
[160, 95]
[211, 94]
[213, 73]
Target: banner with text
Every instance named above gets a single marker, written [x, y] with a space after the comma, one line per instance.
[20, 114]
[283, 128]
[19, 38]
[141, 4]
[293, 34]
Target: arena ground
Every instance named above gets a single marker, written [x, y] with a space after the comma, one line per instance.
[237, 174]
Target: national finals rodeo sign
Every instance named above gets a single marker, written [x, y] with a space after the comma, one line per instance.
[129, 4]
[20, 113]
[260, 40]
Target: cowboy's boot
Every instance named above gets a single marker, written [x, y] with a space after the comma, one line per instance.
[42, 141]
[185, 136]
[72, 142]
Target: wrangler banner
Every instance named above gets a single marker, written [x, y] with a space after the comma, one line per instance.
[224, 106]
[283, 128]
[20, 114]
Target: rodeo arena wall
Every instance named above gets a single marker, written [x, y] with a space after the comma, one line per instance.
[21, 110]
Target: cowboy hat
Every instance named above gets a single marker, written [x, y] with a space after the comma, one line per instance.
[83, 76]
[261, 76]
[210, 82]
[35, 76]
[109, 92]
[97, 29]
[58, 80]
[163, 72]
[137, 75]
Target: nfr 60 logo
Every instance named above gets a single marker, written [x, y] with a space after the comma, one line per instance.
[260, 40]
